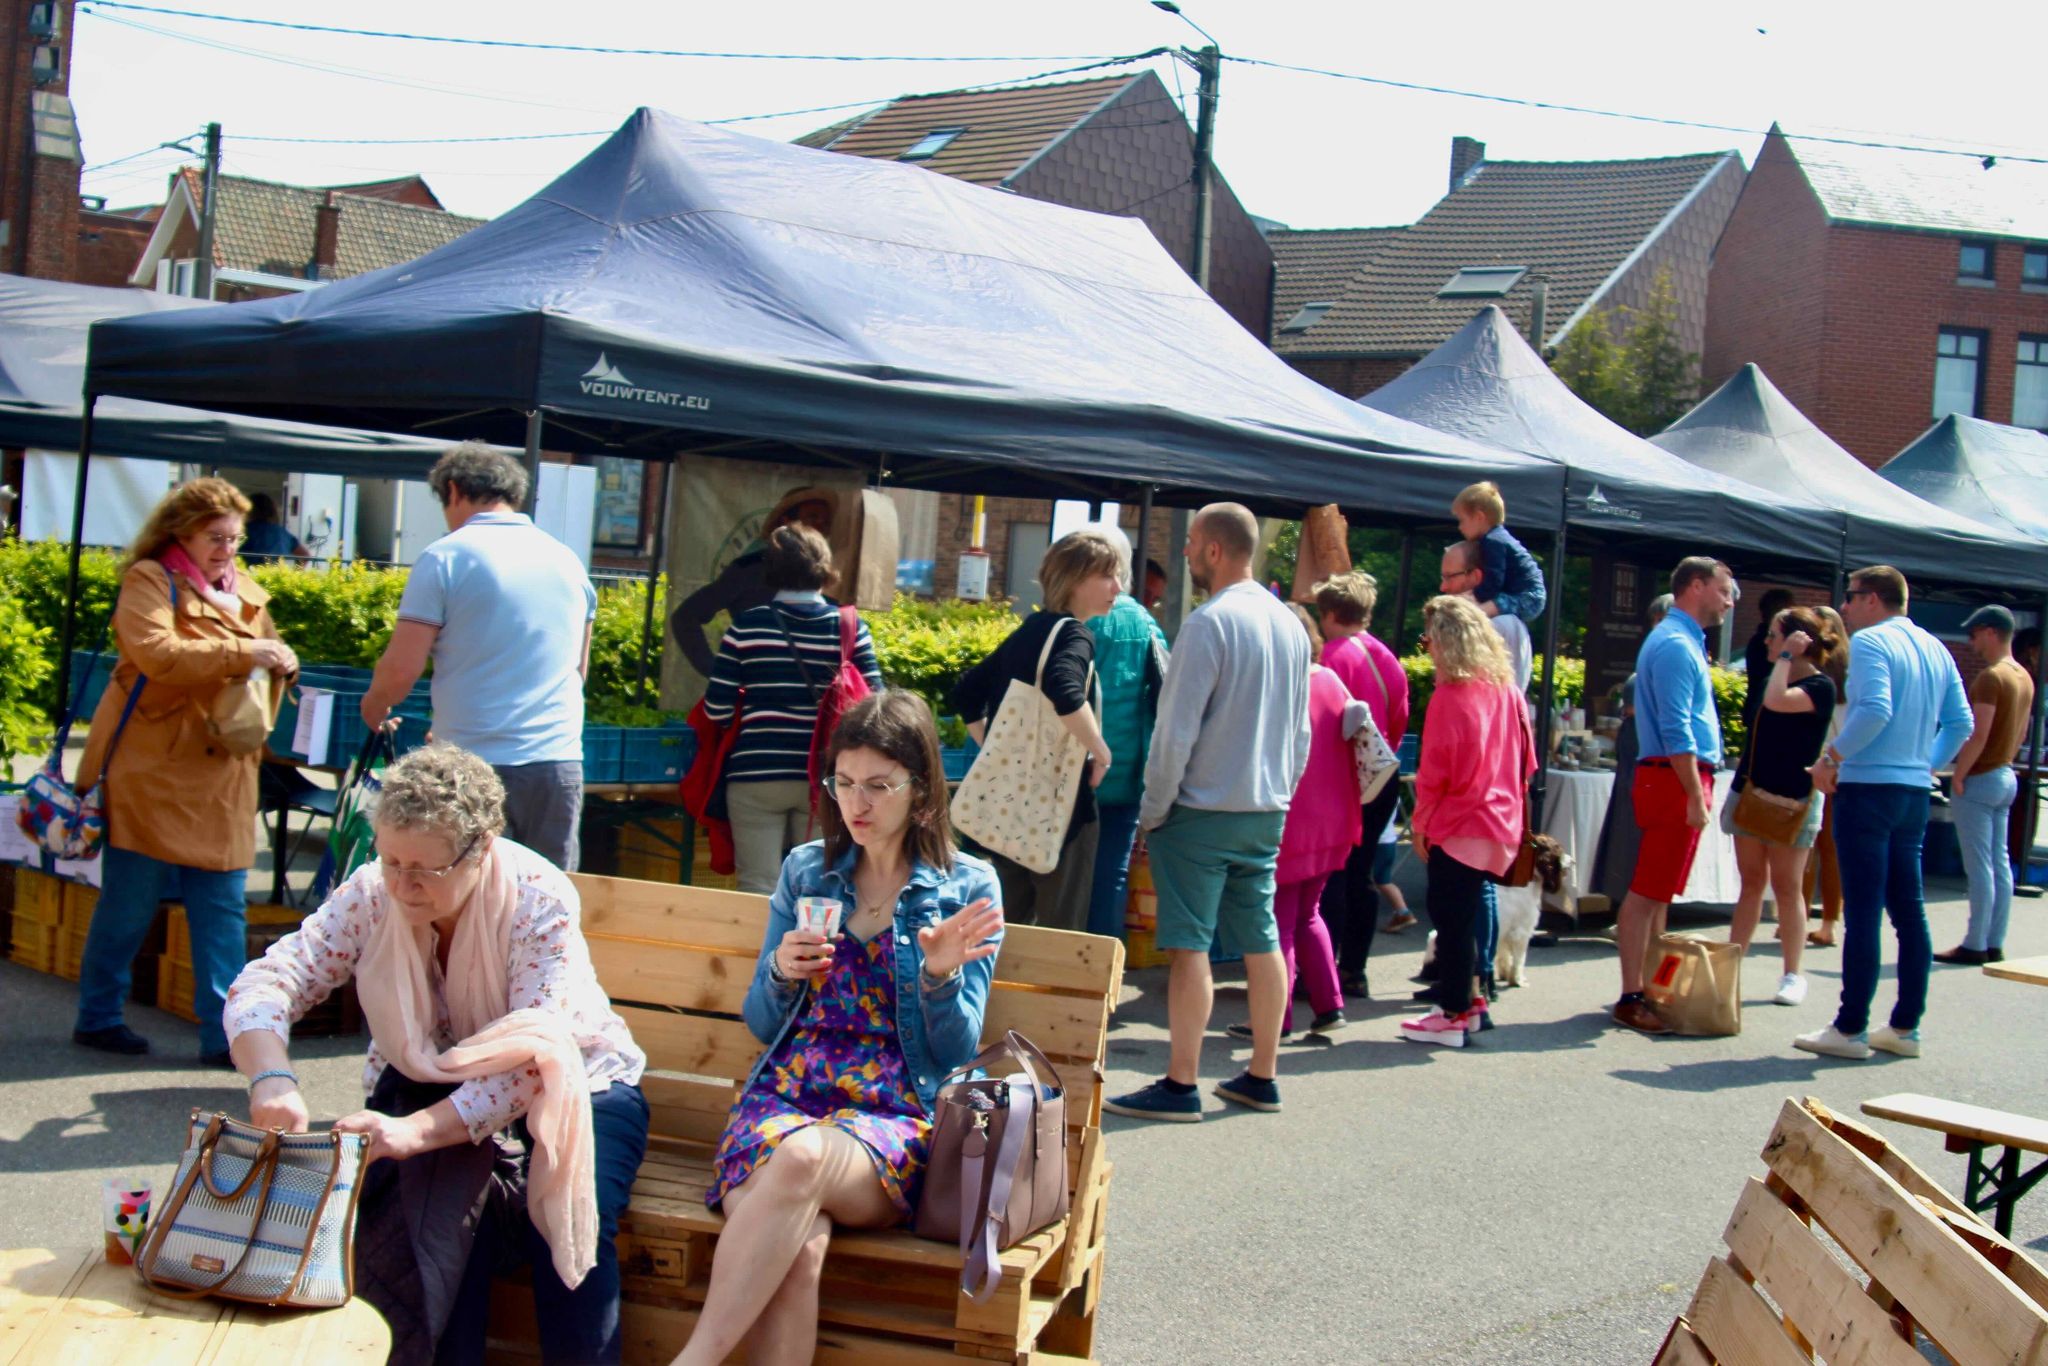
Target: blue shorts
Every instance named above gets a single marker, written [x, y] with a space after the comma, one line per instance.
[1212, 872]
[1384, 858]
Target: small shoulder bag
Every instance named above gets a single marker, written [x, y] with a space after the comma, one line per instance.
[1766, 815]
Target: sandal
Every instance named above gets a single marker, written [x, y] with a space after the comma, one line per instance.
[1398, 922]
[1816, 940]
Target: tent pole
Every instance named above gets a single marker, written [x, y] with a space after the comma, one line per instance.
[1539, 786]
[1140, 557]
[532, 461]
[2030, 822]
[654, 579]
[70, 633]
[1393, 637]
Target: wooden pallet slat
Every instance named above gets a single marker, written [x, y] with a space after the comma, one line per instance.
[1735, 1323]
[1831, 1307]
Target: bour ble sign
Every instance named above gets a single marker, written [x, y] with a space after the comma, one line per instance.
[605, 380]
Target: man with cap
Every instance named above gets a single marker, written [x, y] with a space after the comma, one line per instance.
[1984, 786]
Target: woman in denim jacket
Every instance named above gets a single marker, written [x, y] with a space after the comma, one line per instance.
[834, 1124]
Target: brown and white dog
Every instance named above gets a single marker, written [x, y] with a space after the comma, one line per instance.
[1520, 908]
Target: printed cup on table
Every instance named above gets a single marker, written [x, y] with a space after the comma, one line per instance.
[124, 1207]
[819, 915]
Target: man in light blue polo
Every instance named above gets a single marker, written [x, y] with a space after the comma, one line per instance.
[504, 610]
[1673, 788]
[1905, 714]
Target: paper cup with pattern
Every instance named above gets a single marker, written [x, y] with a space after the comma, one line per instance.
[819, 915]
[124, 1209]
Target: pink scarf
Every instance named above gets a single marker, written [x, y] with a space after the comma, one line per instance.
[394, 984]
[221, 595]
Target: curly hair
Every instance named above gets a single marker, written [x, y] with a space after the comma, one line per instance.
[480, 473]
[1467, 648]
[184, 510]
[442, 790]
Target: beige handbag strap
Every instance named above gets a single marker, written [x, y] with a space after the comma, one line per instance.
[1088, 689]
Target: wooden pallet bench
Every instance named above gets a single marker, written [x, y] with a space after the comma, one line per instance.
[1996, 1185]
[1901, 1257]
[676, 962]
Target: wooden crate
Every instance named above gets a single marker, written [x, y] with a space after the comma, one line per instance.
[340, 1013]
[33, 945]
[38, 897]
[174, 988]
[1141, 952]
[1141, 911]
[80, 900]
[1902, 1259]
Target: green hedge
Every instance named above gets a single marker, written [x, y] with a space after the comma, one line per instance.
[1570, 684]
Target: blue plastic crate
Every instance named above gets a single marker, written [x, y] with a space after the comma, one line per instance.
[603, 747]
[1410, 752]
[656, 754]
[346, 732]
[89, 675]
[957, 760]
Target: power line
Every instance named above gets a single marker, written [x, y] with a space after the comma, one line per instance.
[133, 156]
[1620, 114]
[408, 142]
[90, 5]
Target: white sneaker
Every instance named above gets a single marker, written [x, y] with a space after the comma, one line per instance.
[1791, 990]
[1885, 1039]
[1834, 1043]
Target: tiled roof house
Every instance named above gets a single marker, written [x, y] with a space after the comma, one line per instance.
[1598, 232]
[1883, 289]
[270, 238]
[1117, 145]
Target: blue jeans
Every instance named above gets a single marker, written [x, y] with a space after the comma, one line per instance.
[1981, 809]
[216, 912]
[1116, 831]
[1486, 933]
[1879, 831]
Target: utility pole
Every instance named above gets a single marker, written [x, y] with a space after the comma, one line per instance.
[1208, 64]
[202, 272]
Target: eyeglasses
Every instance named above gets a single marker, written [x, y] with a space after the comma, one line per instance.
[224, 542]
[424, 876]
[845, 790]
[1856, 593]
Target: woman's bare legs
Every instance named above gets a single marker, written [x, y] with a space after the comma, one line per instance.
[771, 1219]
[1749, 905]
[1788, 885]
[786, 1333]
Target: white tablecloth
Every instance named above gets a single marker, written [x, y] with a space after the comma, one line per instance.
[1575, 805]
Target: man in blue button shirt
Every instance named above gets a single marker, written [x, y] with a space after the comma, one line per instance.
[1679, 732]
[1905, 715]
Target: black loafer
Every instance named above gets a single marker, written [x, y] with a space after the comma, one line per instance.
[1963, 956]
[113, 1039]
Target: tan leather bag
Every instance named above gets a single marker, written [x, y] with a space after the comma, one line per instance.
[998, 1170]
[1766, 815]
[1695, 984]
[242, 712]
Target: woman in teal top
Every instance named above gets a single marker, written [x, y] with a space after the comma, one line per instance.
[1130, 663]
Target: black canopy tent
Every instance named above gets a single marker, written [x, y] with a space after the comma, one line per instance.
[1751, 431]
[689, 290]
[43, 329]
[1986, 471]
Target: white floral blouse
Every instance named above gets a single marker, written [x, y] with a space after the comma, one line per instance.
[550, 970]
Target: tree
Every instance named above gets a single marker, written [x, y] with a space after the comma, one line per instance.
[1628, 362]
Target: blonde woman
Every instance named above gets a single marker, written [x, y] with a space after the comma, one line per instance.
[1081, 576]
[187, 624]
[1469, 792]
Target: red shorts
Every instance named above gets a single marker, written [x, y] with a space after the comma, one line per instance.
[1664, 857]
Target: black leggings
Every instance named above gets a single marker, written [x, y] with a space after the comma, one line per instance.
[1351, 900]
[1456, 902]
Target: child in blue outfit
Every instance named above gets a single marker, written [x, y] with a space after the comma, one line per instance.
[1513, 585]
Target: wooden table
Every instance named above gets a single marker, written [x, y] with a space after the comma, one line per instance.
[2033, 970]
[72, 1306]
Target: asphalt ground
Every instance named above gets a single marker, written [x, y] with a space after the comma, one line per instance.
[1550, 1195]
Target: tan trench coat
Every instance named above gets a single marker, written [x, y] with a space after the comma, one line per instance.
[173, 793]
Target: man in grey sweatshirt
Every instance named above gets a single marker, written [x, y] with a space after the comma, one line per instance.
[1228, 749]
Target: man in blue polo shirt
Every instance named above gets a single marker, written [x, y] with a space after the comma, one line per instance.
[1679, 733]
[504, 610]
[1905, 714]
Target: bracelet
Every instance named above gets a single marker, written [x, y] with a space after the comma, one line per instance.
[932, 983]
[266, 1075]
[775, 973]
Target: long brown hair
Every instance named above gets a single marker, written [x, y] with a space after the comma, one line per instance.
[897, 725]
[183, 511]
[1828, 652]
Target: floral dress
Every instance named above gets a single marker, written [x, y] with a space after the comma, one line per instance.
[840, 1066]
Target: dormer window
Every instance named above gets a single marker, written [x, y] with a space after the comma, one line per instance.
[1307, 316]
[931, 144]
[1482, 282]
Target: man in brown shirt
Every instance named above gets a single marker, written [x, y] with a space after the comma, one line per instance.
[2002, 698]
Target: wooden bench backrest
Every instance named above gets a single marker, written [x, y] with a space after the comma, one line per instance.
[676, 962]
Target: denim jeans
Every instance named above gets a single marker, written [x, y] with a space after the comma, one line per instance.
[216, 912]
[1879, 831]
[1980, 812]
[1486, 933]
[1116, 831]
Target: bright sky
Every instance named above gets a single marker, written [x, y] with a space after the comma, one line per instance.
[1308, 150]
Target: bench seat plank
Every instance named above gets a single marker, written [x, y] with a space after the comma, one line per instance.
[1974, 1122]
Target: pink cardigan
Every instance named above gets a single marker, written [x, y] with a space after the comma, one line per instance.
[1476, 762]
[1376, 678]
[1323, 821]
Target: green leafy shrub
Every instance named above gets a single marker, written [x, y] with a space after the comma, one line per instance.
[25, 667]
[1731, 687]
[1570, 684]
[925, 646]
[612, 694]
[339, 614]
[34, 574]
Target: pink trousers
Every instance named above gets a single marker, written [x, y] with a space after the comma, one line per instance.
[1302, 931]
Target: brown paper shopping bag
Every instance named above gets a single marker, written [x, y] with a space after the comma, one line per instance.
[1695, 983]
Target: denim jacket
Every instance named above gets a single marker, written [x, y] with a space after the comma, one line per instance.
[939, 1028]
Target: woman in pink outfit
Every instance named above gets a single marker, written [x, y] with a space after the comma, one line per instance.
[1322, 828]
[1469, 793]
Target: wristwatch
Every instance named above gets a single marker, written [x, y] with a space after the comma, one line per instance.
[1785, 654]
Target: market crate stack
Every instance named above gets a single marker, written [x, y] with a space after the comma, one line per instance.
[338, 1014]
[35, 933]
[1141, 917]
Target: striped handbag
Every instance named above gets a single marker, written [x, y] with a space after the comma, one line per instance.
[258, 1215]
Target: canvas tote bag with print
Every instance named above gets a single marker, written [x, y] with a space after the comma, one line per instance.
[1695, 984]
[1018, 798]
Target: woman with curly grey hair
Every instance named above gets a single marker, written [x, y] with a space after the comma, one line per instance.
[485, 1014]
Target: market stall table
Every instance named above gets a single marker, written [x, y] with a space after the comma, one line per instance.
[73, 1305]
[1576, 806]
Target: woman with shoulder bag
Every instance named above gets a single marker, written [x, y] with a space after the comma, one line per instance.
[1081, 576]
[1130, 662]
[1773, 811]
[864, 1016]
[191, 632]
[780, 657]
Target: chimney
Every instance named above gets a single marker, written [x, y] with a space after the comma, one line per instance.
[326, 232]
[1466, 153]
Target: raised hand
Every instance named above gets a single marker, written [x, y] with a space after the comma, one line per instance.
[960, 938]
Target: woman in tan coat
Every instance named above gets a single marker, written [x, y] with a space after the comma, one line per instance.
[188, 625]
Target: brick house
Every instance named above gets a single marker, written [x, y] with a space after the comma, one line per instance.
[1355, 307]
[40, 158]
[1881, 290]
[1118, 145]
